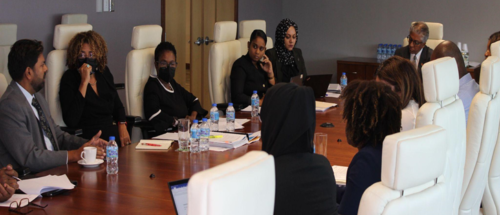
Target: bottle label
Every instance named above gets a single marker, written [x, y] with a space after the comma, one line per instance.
[230, 115]
[204, 132]
[214, 116]
[195, 134]
[255, 102]
[343, 81]
[112, 151]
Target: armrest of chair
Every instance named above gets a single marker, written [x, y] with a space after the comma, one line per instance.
[74, 131]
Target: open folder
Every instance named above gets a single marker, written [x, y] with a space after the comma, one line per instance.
[37, 186]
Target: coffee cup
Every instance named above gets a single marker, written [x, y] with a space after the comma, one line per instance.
[90, 154]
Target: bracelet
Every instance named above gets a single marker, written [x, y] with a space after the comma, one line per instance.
[122, 123]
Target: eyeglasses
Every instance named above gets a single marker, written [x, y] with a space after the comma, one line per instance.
[165, 63]
[83, 55]
[415, 42]
[22, 206]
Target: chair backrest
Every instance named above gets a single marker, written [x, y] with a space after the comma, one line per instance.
[491, 200]
[56, 62]
[140, 65]
[444, 108]
[245, 29]
[223, 53]
[242, 186]
[8, 36]
[413, 164]
[3, 84]
[74, 19]
[435, 35]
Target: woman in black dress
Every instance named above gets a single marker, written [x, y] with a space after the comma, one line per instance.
[252, 71]
[287, 60]
[371, 111]
[165, 100]
[305, 183]
[87, 93]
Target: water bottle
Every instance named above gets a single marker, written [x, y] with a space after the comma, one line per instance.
[230, 117]
[465, 54]
[394, 48]
[112, 156]
[204, 134]
[384, 52]
[379, 53]
[343, 82]
[255, 103]
[214, 118]
[195, 137]
[389, 50]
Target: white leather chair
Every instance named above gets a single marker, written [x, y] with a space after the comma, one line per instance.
[56, 62]
[491, 196]
[413, 164]
[8, 36]
[444, 108]
[482, 133]
[222, 55]
[245, 29]
[139, 67]
[3, 84]
[242, 186]
[74, 19]
[435, 35]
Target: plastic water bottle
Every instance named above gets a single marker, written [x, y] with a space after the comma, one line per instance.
[255, 103]
[195, 137]
[343, 82]
[214, 118]
[394, 48]
[230, 117]
[112, 156]
[379, 53]
[204, 134]
[465, 54]
[384, 52]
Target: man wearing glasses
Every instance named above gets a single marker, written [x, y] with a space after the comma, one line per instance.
[416, 51]
[165, 100]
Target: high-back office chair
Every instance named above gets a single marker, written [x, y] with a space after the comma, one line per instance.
[74, 19]
[491, 196]
[245, 29]
[56, 62]
[435, 35]
[444, 108]
[139, 67]
[413, 165]
[482, 133]
[223, 53]
[242, 186]
[8, 36]
[3, 84]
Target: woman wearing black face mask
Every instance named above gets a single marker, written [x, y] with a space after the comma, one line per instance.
[87, 93]
[165, 100]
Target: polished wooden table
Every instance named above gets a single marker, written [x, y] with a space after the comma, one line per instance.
[132, 191]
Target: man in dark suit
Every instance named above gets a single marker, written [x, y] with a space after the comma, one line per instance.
[28, 135]
[416, 51]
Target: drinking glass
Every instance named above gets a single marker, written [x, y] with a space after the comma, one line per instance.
[183, 130]
[320, 143]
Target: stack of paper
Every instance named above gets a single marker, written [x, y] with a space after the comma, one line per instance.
[17, 198]
[227, 140]
[45, 184]
[340, 173]
[249, 109]
[154, 144]
[167, 136]
[323, 106]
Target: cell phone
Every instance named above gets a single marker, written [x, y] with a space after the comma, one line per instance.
[261, 61]
[22, 171]
[57, 192]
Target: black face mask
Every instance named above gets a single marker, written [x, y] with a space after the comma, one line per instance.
[166, 73]
[89, 61]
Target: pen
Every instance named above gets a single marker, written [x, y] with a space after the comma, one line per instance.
[215, 136]
[14, 177]
[151, 144]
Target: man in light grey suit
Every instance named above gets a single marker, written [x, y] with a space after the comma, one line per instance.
[28, 135]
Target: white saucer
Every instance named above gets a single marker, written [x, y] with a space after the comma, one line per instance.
[91, 165]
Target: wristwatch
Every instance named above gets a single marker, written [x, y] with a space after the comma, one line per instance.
[122, 123]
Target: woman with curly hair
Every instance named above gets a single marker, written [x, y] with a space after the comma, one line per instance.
[287, 60]
[371, 111]
[400, 74]
[88, 96]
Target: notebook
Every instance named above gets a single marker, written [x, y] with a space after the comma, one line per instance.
[154, 144]
[179, 191]
[37, 186]
[340, 173]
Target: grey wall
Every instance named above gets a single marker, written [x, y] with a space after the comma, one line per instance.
[269, 10]
[334, 29]
[37, 19]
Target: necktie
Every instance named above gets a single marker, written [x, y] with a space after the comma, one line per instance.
[43, 123]
[415, 61]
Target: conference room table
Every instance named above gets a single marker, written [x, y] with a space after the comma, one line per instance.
[133, 191]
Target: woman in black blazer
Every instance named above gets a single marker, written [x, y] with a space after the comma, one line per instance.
[287, 60]
[371, 111]
[252, 71]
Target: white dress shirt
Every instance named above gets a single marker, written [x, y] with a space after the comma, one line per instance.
[409, 116]
[467, 90]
